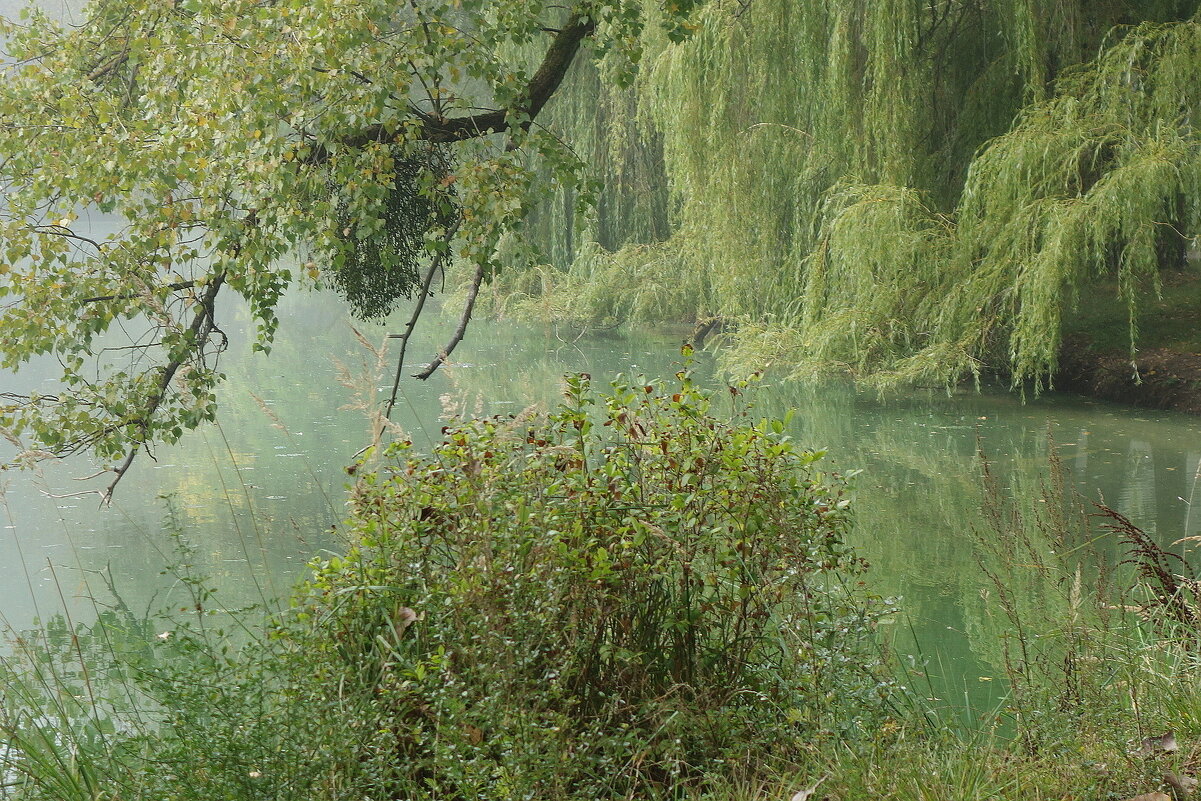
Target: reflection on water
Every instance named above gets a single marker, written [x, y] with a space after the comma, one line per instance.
[263, 492]
[920, 498]
[260, 494]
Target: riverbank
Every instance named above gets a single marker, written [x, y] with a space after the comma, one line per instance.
[1156, 378]
[1163, 373]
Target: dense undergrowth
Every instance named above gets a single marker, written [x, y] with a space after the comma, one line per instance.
[632, 596]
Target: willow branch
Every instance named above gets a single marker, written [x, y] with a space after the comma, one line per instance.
[444, 354]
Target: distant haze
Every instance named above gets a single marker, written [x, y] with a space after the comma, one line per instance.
[59, 8]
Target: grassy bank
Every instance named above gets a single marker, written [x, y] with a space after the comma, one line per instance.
[642, 594]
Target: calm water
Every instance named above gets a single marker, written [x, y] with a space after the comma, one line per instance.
[263, 493]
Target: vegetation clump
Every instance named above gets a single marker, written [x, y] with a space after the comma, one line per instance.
[574, 610]
[626, 598]
[382, 260]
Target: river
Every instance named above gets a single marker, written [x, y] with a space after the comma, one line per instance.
[263, 492]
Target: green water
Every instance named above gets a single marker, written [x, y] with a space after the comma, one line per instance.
[264, 492]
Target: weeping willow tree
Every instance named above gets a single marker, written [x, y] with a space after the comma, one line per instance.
[910, 191]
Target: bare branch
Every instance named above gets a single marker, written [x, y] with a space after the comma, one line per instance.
[438, 263]
[408, 332]
[108, 66]
[202, 325]
[65, 233]
[444, 354]
[175, 287]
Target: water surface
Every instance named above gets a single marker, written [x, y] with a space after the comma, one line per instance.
[264, 492]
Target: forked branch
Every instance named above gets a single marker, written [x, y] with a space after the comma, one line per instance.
[203, 324]
[542, 86]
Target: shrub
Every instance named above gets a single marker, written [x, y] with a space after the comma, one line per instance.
[627, 597]
[611, 601]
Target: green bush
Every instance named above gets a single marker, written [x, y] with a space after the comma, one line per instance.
[627, 597]
[606, 602]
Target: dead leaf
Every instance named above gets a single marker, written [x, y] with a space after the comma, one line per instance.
[1163, 744]
[803, 795]
[1182, 786]
[402, 618]
[1151, 797]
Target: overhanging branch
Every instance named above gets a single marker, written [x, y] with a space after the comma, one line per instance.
[542, 86]
[472, 293]
[408, 332]
[202, 325]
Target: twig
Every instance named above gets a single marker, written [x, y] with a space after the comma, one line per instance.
[175, 287]
[444, 354]
[58, 496]
[408, 332]
[202, 326]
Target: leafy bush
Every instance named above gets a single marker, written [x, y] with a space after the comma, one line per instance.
[597, 605]
[627, 597]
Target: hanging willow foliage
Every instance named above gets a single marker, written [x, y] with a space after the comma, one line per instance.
[909, 191]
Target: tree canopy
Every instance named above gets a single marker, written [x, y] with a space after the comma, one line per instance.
[903, 191]
[250, 146]
[910, 191]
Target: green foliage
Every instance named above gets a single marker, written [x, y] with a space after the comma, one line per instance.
[600, 605]
[914, 195]
[638, 283]
[218, 140]
[559, 608]
[179, 705]
[381, 264]
[626, 598]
